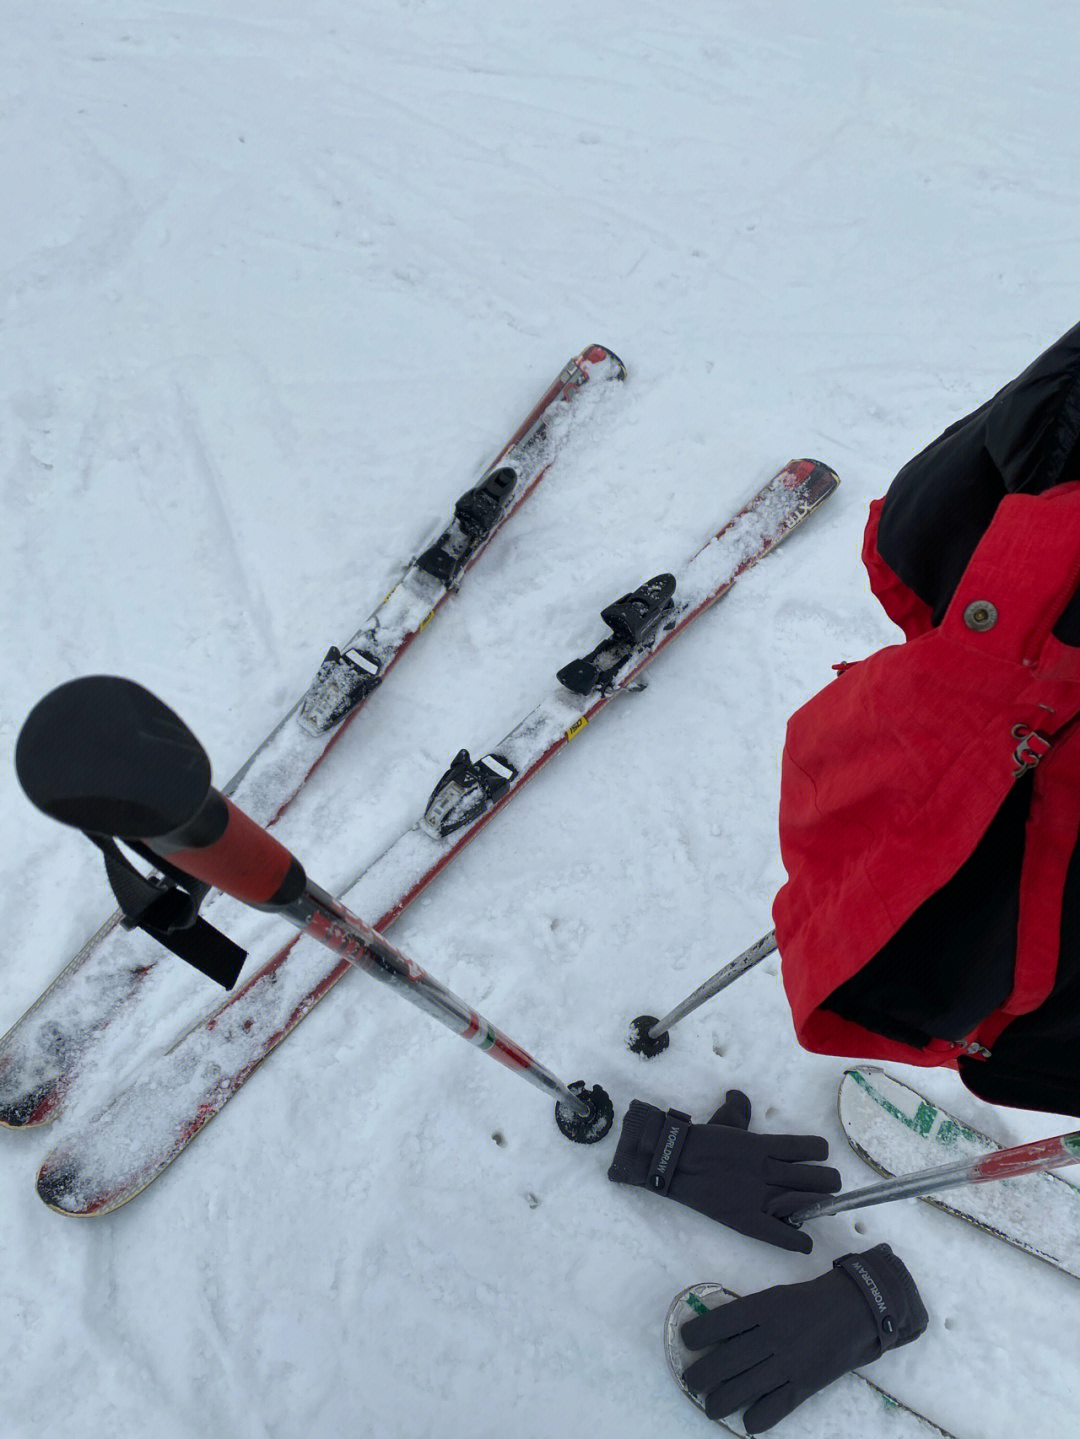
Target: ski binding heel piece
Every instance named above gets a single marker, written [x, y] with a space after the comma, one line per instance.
[476, 514]
[635, 617]
[633, 620]
[478, 509]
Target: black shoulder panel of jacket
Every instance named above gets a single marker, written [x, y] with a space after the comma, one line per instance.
[1027, 438]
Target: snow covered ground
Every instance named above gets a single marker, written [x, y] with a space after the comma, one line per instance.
[278, 281]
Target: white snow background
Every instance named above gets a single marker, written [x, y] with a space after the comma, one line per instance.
[278, 281]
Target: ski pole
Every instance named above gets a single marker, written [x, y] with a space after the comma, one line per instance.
[110, 758]
[649, 1035]
[1003, 1164]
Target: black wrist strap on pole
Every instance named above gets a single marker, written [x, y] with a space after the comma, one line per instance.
[168, 910]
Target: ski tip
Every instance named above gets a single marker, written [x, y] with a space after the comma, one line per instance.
[868, 1079]
[639, 1041]
[814, 480]
[596, 353]
[56, 1185]
[68, 1188]
[806, 466]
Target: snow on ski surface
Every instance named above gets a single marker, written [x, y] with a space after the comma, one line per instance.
[280, 281]
[1036, 1209]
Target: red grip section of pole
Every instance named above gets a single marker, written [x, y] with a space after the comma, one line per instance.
[1022, 1158]
[245, 862]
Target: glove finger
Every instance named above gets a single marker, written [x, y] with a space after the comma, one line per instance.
[811, 1178]
[743, 1389]
[782, 1234]
[734, 1112]
[726, 1320]
[772, 1407]
[786, 1203]
[724, 1362]
[798, 1148]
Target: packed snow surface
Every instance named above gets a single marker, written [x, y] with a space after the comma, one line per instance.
[280, 281]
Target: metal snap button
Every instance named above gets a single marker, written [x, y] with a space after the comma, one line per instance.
[980, 615]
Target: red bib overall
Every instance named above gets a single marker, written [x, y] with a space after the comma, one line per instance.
[892, 774]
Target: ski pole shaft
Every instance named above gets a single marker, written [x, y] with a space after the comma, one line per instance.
[730, 972]
[251, 865]
[316, 914]
[1002, 1164]
[107, 756]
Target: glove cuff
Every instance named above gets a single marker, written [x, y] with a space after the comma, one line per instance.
[890, 1293]
[665, 1158]
[641, 1129]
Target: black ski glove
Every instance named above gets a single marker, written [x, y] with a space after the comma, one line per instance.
[721, 1170]
[774, 1349]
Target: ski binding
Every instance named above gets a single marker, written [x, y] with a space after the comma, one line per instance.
[465, 791]
[633, 620]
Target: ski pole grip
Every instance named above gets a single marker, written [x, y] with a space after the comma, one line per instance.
[225, 848]
[108, 757]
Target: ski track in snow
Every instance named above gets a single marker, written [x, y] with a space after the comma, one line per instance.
[278, 284]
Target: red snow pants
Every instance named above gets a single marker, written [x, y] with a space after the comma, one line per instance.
[893, 772]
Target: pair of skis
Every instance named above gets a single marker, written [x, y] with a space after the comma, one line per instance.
[130, 1142]
[41, 1054]
[153, 1120]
